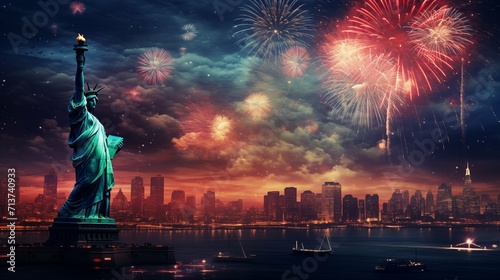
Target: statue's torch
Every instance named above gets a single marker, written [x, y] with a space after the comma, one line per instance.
[80, 49]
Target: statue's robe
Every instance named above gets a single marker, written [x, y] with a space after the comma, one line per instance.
[94, 174]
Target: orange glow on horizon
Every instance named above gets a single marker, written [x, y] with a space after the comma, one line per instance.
[250, 189]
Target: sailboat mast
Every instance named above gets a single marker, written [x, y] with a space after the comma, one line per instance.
[239, 240]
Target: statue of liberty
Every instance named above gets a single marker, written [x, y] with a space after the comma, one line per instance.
[92, 150]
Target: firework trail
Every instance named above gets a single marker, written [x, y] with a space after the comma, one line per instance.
[388, 127]
[295, 62]
[257, 105]
[437, 125]
[271, 26]
[462, 105]
[190, 32]
[77, 7]
[155, 65]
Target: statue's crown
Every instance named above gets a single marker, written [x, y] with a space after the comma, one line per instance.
[92, 93]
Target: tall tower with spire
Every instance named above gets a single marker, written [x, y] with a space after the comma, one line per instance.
[471, 199]
[468, 189]
[468, 181]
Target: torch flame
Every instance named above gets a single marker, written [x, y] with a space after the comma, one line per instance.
[80, 38]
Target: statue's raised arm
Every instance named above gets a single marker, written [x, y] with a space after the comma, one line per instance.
[80, 50]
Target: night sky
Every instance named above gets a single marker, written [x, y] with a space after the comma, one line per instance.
[299, 141]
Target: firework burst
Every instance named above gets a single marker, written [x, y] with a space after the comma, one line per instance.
[190, 32]
[418, 35]
[257, 105]
[155, 66]
[271, 26]
[77, 7]
[408, 44]
[205, 120]
[220, 127]
[440, 33]
[295, 62]
[361, 90]
[133, 94]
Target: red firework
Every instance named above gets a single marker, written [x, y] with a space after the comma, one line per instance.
[420, 36]
[295, 61]
[444, 33]
[133, 94]
[155, 65]
[77, 7]
[204, 119]
[207, 131]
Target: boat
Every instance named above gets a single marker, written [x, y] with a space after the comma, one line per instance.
[305, 251]
[400, 265]
[228, 257]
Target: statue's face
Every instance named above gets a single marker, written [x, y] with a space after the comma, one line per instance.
[91, 103]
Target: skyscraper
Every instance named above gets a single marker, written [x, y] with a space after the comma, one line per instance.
[406, 199]
[137, 196]
[178, 196]
[350, 205]
[157, 197]
[471, 199]
[429, 203]
[385, 215]
[208, 206]
[190, 207]
[291, 209]
[176, 207]
[372, 208]
[331, 205]
[485, 200]
[361, 208]
[417, 205]
[273, 206]
[157, 190]
[457, 206]
[307, 206]
[444, 209]
[397, 204]
[50, 191]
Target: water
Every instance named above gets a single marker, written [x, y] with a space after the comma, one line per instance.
[356, 252]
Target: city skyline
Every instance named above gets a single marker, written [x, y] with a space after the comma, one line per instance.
[222, 181]
[145, 191]
[288, 204]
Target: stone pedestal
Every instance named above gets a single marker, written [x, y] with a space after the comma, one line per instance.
[83, 232]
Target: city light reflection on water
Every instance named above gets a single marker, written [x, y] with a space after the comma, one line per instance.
[356, 251]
